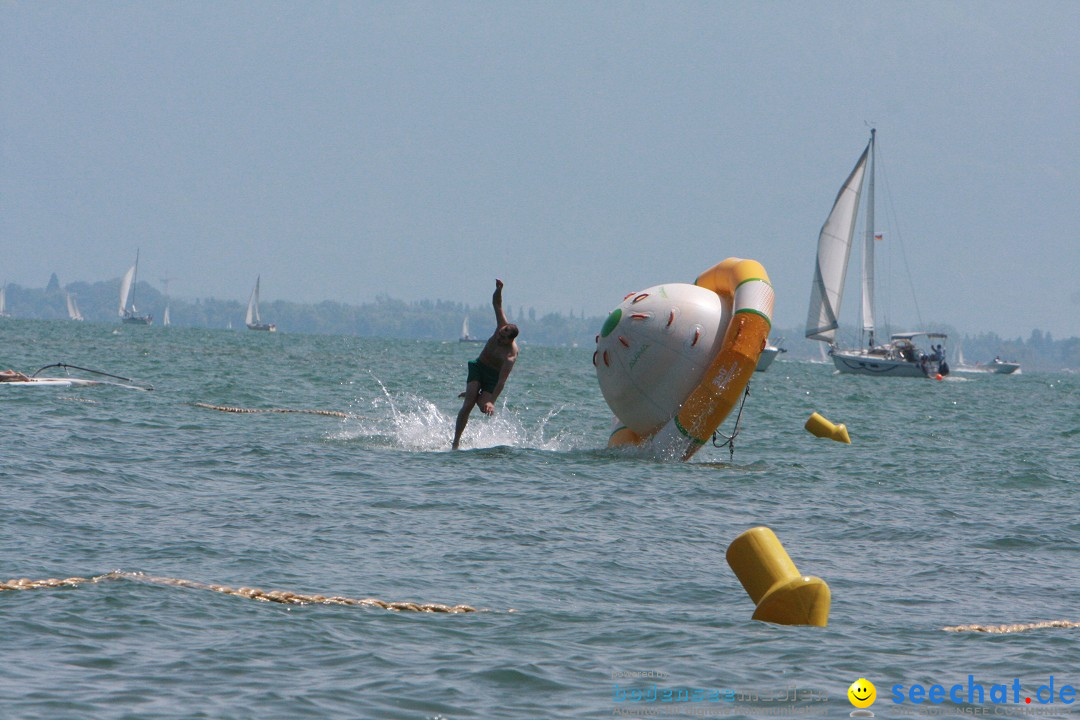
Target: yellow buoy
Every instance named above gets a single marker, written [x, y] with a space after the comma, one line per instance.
[781, 594]
[822, 428]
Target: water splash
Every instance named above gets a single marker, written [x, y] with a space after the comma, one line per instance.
[411, 422]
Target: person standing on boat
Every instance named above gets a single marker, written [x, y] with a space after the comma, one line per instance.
[488, 372]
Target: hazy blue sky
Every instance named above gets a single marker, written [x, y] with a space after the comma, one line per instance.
[578, 150]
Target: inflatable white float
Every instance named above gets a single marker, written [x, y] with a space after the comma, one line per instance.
[672, 360]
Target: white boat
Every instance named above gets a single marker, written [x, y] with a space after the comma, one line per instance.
[1000, 367]
[253, 318]
[13, 379]
[465, 336]
[129, 314]
[901, 356]
[48, 382]
[73, 308]
[997, 366]
[768, 355]
[3, 301]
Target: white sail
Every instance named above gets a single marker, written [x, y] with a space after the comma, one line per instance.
[834, 249]
[868, 253]
[3, 299]
[165, 318]
[73, 308]
[253, 306]
[125, 290]
[465, 327]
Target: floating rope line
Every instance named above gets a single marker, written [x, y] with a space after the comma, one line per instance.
[1016, 627]
[224, 408]
[278, 596]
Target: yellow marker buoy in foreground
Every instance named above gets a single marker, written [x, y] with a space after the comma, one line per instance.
[781, 594]
[822, 428]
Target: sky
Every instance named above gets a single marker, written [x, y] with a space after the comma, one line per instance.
[579, 151]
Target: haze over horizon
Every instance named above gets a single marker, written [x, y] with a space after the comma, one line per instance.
[577, 151]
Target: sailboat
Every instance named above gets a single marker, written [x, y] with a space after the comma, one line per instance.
[73, 308]
[465, 336]
[253, 319]
[3, 301]
[129, 315]
[768, 354]
[165, 321]
[900, 356]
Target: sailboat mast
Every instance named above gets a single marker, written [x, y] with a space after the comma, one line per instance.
[868, 253]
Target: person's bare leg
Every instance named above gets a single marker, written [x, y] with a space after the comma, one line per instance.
[472, 392]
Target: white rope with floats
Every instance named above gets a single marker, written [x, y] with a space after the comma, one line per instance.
[226, 408]
[277, 596]
[1012, 628]
[286, 597]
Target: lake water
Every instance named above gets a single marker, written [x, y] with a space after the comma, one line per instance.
[596, 572]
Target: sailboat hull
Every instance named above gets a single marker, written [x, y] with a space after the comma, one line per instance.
[137, 320]
[857, 363]
[262, 326]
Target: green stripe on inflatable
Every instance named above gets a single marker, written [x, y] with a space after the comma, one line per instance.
[755, 312]
[686, 433]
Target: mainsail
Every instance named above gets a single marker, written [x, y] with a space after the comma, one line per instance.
[253, 306]
[73, 308]
[868, 253]
[834, 249]
[125, 290]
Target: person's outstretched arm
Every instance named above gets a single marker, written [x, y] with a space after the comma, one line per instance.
[496, 302]
[489, 407]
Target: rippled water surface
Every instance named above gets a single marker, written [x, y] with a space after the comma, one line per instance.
[957, 502]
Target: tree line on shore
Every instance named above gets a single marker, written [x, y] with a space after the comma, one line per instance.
[442, 320]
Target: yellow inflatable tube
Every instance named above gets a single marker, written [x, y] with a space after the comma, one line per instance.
[744, 286]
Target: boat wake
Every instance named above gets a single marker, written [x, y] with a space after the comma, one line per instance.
[411, 422]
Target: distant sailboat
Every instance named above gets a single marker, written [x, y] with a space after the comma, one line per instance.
[465, 336]
[3, 301]
[73, 308]
[254, 319]
[129, 315]
[900, 356]
[165, 321]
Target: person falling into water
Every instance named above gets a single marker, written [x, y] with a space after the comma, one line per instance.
[488, 372]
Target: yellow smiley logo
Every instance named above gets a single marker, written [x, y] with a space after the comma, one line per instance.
[862, 693]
